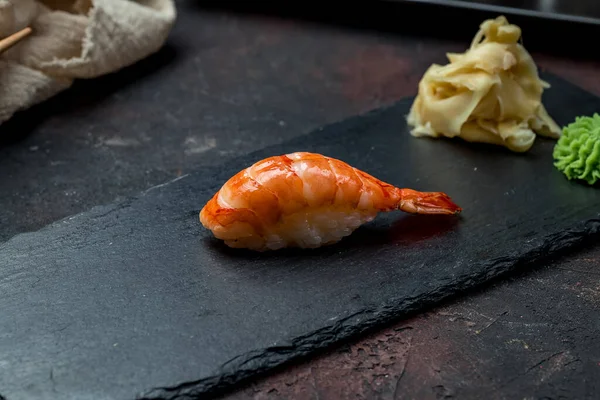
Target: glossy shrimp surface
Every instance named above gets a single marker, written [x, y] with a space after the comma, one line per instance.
[306, 200]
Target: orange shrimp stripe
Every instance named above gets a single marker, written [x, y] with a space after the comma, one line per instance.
[282, 185]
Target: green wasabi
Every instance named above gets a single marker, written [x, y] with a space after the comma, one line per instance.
[577, 152]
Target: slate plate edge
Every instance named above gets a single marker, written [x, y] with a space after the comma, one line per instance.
[239, 369]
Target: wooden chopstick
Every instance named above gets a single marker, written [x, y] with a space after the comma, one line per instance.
[13, 39]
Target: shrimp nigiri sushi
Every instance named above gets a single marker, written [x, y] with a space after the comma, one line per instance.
[306, 200]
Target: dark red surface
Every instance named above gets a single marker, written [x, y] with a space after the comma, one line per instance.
[259, 81]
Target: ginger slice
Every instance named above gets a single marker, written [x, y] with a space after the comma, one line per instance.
[491, 94]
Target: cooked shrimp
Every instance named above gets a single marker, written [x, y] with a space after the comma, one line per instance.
[306, 200]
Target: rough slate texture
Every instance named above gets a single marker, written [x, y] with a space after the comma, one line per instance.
[135, 296]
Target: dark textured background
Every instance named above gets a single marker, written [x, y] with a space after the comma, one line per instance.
[259, 80]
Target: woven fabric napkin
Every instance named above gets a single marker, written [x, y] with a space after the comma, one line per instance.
[74, 39]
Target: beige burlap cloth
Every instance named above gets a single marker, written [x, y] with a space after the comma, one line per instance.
[74, 39]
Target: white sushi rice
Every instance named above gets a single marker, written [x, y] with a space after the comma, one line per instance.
[308, 229]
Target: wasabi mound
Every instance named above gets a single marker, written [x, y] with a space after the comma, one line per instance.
[577, 152]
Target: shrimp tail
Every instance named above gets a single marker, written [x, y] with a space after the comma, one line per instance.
[414, 202]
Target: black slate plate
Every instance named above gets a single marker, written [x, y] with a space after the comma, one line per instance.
[135, 296]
